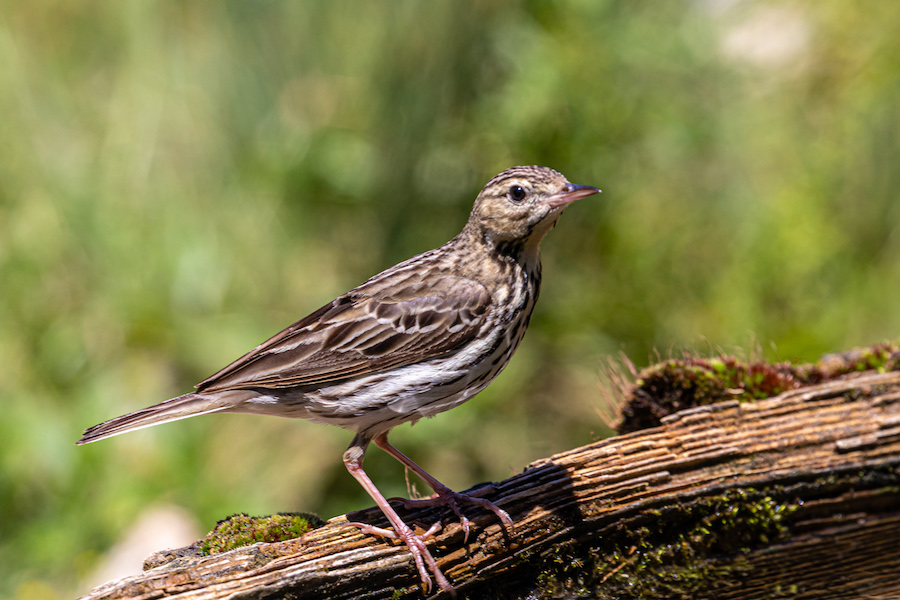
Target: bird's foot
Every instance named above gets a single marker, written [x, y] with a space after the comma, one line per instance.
[421, 555]
[388, 533]
[444, 496]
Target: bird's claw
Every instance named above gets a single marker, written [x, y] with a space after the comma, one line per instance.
[444, 496]
[381, 532]
[421, 555]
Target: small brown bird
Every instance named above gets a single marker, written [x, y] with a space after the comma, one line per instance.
[415, 340]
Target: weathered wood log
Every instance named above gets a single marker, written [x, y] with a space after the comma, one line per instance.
[797, 495]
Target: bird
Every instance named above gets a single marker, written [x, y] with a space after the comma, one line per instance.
[413, 341]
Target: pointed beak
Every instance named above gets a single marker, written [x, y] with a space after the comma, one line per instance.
[570, 193]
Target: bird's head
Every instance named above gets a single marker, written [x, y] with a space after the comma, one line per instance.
[520, 205]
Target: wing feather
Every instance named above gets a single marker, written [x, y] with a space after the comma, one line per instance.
[388, 322]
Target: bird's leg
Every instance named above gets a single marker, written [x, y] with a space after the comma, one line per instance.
[353, 459]
[445, 496]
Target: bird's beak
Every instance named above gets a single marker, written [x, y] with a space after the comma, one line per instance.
[570, 193]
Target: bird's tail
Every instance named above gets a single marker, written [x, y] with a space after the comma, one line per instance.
[182, 407]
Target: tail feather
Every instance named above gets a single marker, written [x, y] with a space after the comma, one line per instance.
[182, 407]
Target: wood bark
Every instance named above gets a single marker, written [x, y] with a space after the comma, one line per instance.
[792, 496]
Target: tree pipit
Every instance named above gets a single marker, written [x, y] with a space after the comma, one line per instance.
[413, 341]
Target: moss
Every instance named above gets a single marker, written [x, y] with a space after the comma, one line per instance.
[676, 384]
[696, 548]
[242, 530]
[676, 552]
[880, 357]
[673, 554]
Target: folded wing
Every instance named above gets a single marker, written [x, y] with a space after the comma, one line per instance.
[386, 323]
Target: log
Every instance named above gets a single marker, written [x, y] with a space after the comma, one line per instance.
[797, 495]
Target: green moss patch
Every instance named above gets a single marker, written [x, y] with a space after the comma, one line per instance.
[242, 530]
[675, 552]
[676, 384]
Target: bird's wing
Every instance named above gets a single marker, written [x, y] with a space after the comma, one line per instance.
[388, 322]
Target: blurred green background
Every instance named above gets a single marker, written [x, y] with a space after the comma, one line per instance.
[180, 181]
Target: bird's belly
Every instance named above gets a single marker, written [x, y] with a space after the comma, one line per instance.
[379, 402]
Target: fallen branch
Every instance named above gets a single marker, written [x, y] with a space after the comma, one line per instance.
[797, 495]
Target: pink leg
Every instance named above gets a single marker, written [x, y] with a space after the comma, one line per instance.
[445, 496]
[353, 459]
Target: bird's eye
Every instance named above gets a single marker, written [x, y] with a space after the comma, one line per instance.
[516, 193]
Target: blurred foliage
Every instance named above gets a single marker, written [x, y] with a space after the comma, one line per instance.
[178, 181]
